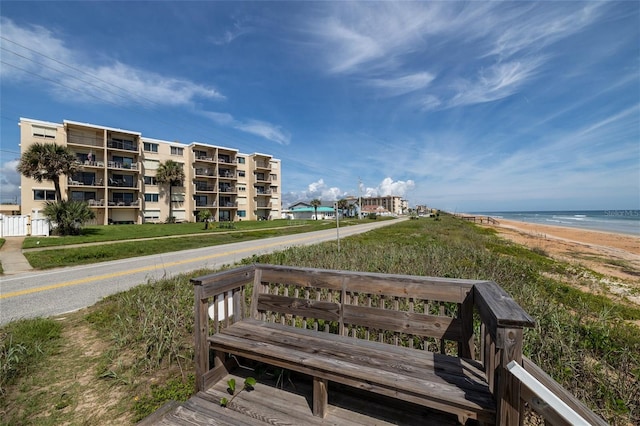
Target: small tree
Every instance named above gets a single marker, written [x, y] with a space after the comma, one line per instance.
[68, 216]
[205, 216]
[315, 203]
[48, 161]
[171, 173]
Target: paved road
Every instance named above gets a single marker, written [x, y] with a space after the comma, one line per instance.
[54, 292]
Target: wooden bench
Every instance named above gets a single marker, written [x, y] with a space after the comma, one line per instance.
[406, 337]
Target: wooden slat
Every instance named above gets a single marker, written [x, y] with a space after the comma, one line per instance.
[497, 308]
[404, 322]
[221, 282]
[445, 289]
[302, 307]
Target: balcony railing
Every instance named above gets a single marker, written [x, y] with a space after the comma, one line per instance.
[73, 139]
[205, 172]
[227, 189]
[229, 175]
[205, 188]
[122, 183]
[124, 145]
[126, 166]
[263, 165]
[122, 203]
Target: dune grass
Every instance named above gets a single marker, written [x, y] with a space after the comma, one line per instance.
[586, 342]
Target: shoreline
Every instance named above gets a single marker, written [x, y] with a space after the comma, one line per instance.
[611, 254]
[621, 241]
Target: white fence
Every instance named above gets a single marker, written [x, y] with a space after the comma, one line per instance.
[19, 226]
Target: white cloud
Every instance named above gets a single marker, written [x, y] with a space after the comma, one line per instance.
[401, 85]
[36, 53]
[493, 83]
[9, 182]
[255, 127]
[265, 130]
[320, 190]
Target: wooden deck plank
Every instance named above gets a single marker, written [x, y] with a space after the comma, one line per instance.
[268, 404]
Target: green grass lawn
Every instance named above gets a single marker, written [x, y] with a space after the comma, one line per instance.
[126, 246]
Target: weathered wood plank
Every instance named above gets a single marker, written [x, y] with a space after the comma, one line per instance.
[221, 282]
[497, 308]
[441, 327]
[329, 311]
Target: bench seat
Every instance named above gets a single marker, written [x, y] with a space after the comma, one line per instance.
[434, 380]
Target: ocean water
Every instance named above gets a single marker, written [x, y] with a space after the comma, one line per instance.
[618, 221]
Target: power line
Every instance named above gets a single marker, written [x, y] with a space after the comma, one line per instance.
[141, 96]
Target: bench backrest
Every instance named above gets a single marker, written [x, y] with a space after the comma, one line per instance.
[422, 312]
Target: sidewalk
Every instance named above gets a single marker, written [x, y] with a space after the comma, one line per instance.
[11, 257]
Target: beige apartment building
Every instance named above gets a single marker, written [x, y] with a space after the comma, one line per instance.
[118, 170]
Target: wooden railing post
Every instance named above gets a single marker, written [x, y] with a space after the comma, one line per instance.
[201, 331]
[508, 391]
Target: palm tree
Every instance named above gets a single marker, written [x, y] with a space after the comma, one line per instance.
[171, 173]
[315, 203]
[69, 216]
[343, 205]
[47, 161]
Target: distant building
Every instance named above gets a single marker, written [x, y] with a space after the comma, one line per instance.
[304, 210]
[118, 169]
[393, 204]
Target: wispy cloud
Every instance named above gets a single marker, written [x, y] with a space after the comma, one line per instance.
[495, 82]
[238, 30]
[401, 85]
[500, 49]
[36, 53]
[263, 129]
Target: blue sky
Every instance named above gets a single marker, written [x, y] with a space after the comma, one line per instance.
[480, 106]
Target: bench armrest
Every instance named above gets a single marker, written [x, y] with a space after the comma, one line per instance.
[228, 288]
[498, 309]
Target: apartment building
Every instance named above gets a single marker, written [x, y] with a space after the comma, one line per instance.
[117, 176]
[391, 203]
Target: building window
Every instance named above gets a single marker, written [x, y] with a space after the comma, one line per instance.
[151, 198]
[44, 195]
[44, 132]
[242, 213]
[151, 215]
[240, 160]
[150, 180]
[150, 147]
[241, 188]
[241, 173]
[273, 177]
[177, 150]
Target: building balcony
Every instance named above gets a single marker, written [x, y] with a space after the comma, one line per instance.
[227, 189]
[126, 166]
[263, 165]
[122, 145]
[123, 203]
[205, 172]
[205, 188]
[120, 183]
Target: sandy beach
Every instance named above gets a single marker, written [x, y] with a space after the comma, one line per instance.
[614, 255]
